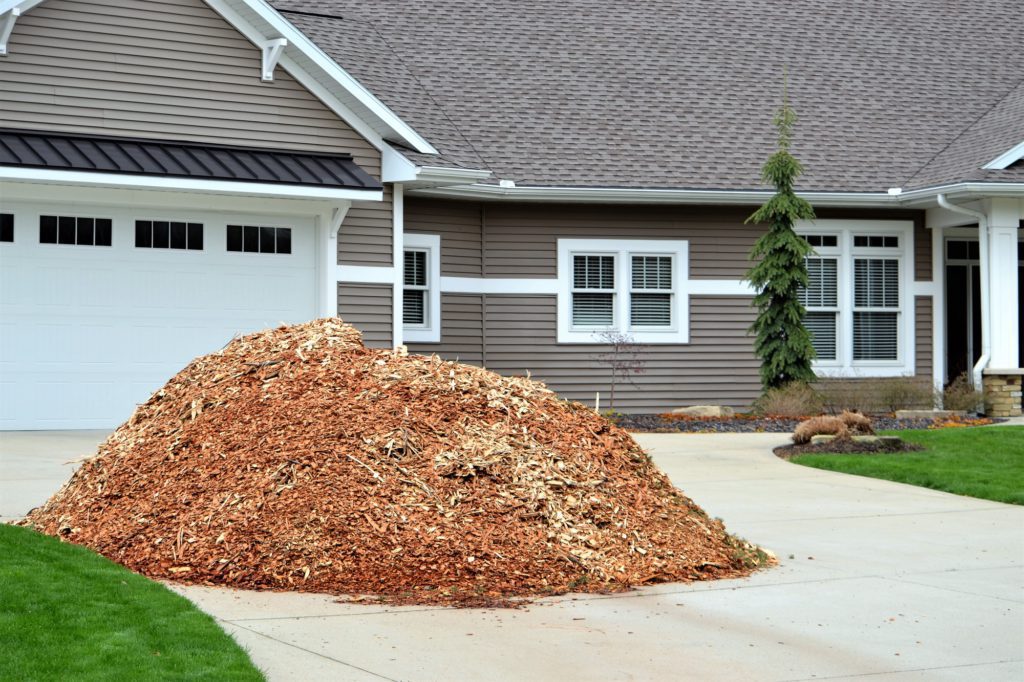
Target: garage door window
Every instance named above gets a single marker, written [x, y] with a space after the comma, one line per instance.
[256, 239]
[74, 230]
[6, 227]
[163, 234]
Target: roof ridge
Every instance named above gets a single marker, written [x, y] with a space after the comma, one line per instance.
[963, 132]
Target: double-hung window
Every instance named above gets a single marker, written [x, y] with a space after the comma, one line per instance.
[421, 288]
[631, 287]
[859, 304]
[821, 297]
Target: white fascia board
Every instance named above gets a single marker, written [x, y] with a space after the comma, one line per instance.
[396, 168]
[230, 188]
[303, 58]
[971, 190]
[1004, 160]
[651, 196]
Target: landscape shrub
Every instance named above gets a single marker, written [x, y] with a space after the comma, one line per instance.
[961, 395]
[877, 395]
[795, 399]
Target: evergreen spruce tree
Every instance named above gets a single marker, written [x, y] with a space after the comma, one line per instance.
[782, 342]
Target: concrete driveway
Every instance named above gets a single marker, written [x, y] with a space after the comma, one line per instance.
[877, 580]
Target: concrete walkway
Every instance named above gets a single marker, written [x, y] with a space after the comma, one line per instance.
[877, 580]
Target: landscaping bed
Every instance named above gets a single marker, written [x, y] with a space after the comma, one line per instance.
[747, 423]
[985, 463]
[846, 446]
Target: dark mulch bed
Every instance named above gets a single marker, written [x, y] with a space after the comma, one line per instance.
[845, 447]
[659, 423]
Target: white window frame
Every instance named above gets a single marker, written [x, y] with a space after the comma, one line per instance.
[430, 331]
[623, 250]
[845, 366]
[836, 253]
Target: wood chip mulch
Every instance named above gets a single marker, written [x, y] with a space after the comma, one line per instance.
[298, 459]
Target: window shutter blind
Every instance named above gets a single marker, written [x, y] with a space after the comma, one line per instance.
[875, 336]
[651, 309]
[413, 306]
[823, 283]
[822, 327]
[593, 272]
[415, 268]
[876, 283]
[593, 310]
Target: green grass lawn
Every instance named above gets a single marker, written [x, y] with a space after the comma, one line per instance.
[67, 613]
[979, 462]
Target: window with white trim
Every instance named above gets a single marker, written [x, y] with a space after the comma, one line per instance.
[415, 289]
[421, 288]
[859, 299]
[626, 286]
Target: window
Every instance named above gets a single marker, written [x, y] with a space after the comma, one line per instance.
[593, 291]
[256, 239]
[858, 301]
[821, 299]
[421, 288]
[162, 234]
[75, 231]
[6, 227]
[626, 286]
[414, 294]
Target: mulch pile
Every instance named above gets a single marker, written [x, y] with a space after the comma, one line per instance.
[298, 459]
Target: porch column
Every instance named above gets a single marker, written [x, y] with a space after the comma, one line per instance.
[1004, 216]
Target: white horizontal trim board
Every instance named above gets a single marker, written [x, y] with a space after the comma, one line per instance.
[478, 285]
[231, 188]
[365, 274]
[719, 287]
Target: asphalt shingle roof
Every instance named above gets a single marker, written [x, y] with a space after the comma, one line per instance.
[680, 93]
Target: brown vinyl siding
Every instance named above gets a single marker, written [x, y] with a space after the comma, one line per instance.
[717, 366]
[462, 330]
[460, 225]
[367, 307]
[159, 69]
[517, 333]
[923, 349]
[366, 234]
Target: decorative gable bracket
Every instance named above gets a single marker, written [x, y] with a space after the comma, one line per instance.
[6, 27]
[272, 50]
[8, 17]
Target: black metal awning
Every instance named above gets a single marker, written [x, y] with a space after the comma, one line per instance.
[172, 159]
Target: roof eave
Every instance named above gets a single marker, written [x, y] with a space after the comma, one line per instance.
[613, 195]
[195, 185]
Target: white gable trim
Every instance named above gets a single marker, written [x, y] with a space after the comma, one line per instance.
[259, 22]
[297, 54]
[1005, 160]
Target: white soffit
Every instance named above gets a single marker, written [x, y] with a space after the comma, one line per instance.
[1007, 159]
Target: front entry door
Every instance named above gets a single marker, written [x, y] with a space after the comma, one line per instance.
[963, 307]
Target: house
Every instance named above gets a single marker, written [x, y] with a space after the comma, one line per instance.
[500, 183]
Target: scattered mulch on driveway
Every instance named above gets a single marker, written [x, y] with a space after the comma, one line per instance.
[845, 447]
[299, 459]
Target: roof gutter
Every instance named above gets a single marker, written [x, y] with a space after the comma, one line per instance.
[986, 312]
[649, 196]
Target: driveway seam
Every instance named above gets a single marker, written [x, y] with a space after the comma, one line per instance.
[907, 670]
[310, 651]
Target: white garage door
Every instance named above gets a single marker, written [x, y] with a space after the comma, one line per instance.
[89, 330]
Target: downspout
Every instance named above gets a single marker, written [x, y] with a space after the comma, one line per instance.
[986, 321]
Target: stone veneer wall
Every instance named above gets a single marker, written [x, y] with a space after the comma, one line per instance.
[1003, 392]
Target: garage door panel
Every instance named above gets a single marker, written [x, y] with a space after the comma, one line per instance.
[86, 333]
